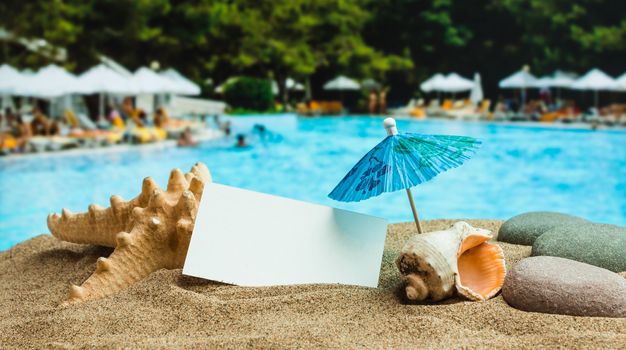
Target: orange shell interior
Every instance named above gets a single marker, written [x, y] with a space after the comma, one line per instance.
[481, 266]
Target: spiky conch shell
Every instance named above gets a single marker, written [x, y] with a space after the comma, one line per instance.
[436, 264]
[149, 232]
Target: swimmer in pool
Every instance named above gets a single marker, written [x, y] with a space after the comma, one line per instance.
[241, 141]
[186, 139]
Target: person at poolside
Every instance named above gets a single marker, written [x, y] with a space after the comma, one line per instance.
[54, 127]
[259, 129]
[116, 120]
[20, 133]
[40, 125]
[4, 135]
[8, 117]
[382, 101]
[225, 127]
[143, 117]
[186, 139]
[139, 118]
[160, 117]
[127, 110]
[372, 102]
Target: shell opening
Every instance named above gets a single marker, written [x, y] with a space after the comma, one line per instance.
[481, 268]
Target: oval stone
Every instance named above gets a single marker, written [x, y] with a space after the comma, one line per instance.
[561, 286]
[601, 245]
[525, 228]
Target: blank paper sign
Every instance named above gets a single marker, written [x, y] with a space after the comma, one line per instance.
[253, 239]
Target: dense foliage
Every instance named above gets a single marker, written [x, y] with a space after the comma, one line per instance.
[399, 42]
[249, 93]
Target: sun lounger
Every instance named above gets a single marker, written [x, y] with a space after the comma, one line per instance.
[418, 112]
[147, 134]
[321, 108]
[96, 138]
[58, 143]
[433, 108]
[85, 122]
[405, 110]
[50, 143]
[460, 109]
[37, 144]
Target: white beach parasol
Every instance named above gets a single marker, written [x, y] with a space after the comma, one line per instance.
[455, 83]
[101, 79]
[290, 85]
[595, 80]
[520, 80]
[621, 81]
[557, 80]
[50, 82]
[562, 79]
[370, 84]
[544, 82]
[342, 83]
[433, 83]
[294, 85]
[149, 82]
[183, 85]
[9, 76]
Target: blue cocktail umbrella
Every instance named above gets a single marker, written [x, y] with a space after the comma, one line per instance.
[402, 161]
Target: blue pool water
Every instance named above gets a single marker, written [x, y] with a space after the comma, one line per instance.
[518, 169]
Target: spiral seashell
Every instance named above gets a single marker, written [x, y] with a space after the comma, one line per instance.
[437, 264]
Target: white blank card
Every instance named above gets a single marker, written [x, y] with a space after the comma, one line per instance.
[252, 239]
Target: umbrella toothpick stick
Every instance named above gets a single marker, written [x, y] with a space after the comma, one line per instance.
[417, 220]
[392, 130]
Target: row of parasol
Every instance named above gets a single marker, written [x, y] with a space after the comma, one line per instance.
[594, 80]
[53, 81]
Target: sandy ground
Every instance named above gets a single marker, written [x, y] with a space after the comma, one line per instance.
[168, 310]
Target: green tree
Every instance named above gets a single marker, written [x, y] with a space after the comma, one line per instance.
[399, 42]
[250, 93]
[296, 38]
[564, 34]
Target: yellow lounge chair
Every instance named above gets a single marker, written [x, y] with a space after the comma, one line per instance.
[9, 143]
[142, 135]
[159, 134]
[118, 122]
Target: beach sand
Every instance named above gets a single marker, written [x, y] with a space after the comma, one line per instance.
[168, 310]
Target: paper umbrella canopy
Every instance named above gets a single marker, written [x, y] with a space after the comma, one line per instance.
[402, 161]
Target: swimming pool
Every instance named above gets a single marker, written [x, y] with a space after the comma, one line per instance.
[519, 168]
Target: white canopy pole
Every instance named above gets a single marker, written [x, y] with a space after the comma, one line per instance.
[101, 105]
